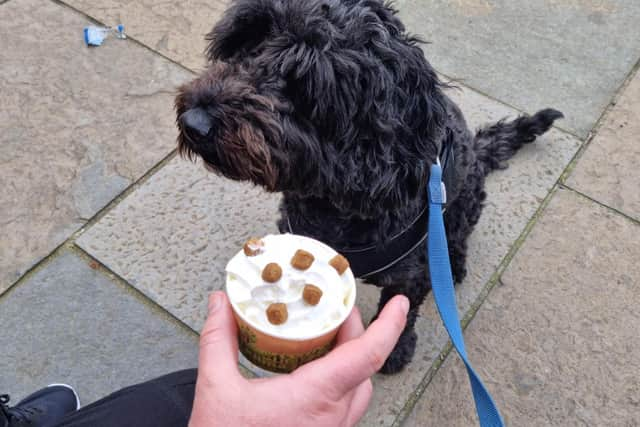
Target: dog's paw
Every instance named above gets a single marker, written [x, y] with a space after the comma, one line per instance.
[459, 274]
[401, 354]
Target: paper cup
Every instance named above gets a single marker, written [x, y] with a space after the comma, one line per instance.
[281, 354]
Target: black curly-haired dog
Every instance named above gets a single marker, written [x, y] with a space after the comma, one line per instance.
[333, 104]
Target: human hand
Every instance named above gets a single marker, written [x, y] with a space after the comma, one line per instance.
[331, 391]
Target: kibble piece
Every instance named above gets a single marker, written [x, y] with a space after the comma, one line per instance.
[271, 273]
[277, 313]
[302, 259]
[253, 247]
[311, 294]
[340, 263]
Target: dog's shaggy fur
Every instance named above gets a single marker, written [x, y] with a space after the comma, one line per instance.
[333, 104]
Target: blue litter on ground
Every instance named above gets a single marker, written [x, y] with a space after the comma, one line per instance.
[94, 36]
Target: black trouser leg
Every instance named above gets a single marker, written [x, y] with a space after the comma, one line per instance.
[164, 401]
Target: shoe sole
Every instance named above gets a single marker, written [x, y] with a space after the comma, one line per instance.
[70, 388]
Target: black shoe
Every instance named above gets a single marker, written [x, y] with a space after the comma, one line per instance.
[43, 408]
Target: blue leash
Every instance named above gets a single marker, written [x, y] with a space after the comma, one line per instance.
[445, 297]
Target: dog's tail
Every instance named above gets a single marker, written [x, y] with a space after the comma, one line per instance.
[496, 144]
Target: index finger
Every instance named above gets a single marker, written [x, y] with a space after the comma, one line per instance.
[350, 364]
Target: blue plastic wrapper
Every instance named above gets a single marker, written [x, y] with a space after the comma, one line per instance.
[94, 36]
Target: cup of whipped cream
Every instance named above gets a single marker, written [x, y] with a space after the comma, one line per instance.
[289, 294]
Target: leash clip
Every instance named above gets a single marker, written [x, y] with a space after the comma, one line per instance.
[437, 189]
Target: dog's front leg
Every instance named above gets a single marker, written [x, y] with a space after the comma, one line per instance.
[404, 349]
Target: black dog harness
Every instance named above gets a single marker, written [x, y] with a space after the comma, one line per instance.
[369, 260]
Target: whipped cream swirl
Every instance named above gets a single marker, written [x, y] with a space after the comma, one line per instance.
[251, 295]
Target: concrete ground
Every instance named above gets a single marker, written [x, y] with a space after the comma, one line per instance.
[110, 243]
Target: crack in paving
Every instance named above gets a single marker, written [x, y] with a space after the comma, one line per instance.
[95, 218]
[596, 128]
[140, 296]
[132, 39]
[599, 203]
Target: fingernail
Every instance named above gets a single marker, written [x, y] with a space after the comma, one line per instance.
[215, 302]
[404, 304]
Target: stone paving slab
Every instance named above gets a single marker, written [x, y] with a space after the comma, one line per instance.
[568, 54]
[175, 29]
[557, 342]
[70, 323]
[77, 126]
[608, 170]
[172, 237]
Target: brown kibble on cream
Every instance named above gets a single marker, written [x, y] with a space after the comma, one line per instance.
[340, 263]
[302, 260]
[271, 273]
[277, 313]
[253, 247]
[311, 294]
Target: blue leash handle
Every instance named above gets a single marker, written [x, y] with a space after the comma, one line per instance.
[445, 298]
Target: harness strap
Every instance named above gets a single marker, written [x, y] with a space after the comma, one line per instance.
[366, 261]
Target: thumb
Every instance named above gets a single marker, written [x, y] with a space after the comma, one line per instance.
[218, 360]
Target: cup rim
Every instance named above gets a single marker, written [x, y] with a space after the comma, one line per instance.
[350, 305]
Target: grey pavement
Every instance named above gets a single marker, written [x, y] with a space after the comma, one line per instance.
[71, 323]
[608, 171]
[71, 126]
[110, 243]
[572, 55]
[174, 29]
[172, 237]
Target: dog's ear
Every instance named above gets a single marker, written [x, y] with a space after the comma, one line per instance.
[244, 25]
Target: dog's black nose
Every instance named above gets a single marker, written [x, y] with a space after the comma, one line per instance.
[196, 121]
